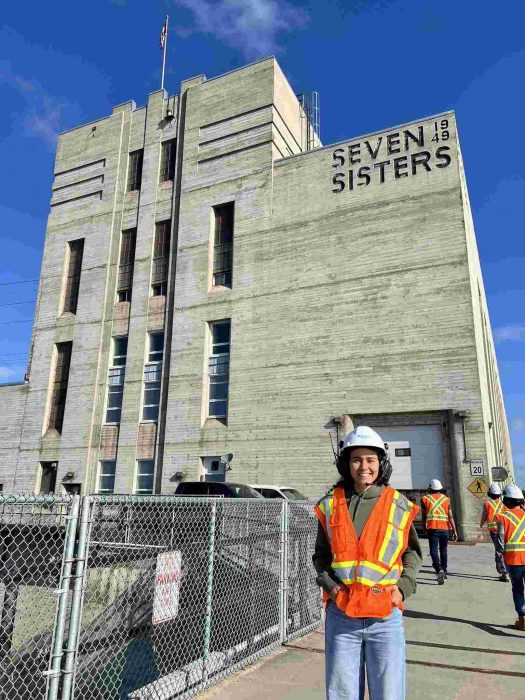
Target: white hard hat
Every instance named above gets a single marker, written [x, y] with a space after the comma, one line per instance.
[435, 485]
[513, 491]
[495, 490]
[363, 436]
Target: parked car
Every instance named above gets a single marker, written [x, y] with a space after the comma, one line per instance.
[215, 488]
[272, 491]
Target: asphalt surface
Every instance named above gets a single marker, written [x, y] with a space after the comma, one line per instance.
[460, 642]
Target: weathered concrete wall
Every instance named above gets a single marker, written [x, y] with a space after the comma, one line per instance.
[13, 401]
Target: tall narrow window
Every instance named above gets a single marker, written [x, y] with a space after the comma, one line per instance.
[126, 264]
[135, 170]
[74, 267]
[167, 160]
[59, 388]
[106, 478]
[145, 471]
[219, 369]
[161, 249]
[223, 245]
[48, 477]
[117, 373]
[152, 377]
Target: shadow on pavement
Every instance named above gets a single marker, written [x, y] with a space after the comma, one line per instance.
[490, 629]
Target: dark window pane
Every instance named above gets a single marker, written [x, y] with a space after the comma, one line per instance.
[219, 391]
[221, 332]
[218, 408]
[150, 413]
[120, 350]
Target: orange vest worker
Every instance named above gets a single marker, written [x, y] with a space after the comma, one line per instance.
[370, 565]
[513, 520]
[493, 508]
[437, 507]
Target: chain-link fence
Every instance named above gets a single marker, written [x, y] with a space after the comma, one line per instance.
[37, 537]
[156, 596]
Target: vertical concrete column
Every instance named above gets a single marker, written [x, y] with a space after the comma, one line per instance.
[131, 407]
[457, 455]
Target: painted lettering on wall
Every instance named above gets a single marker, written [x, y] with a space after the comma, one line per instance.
[401, 154]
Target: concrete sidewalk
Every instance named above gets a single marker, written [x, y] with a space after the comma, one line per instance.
[459, 643]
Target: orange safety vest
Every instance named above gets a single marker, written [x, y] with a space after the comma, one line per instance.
[371, 564]
[493, 508]
[437, 508]
[513, 520]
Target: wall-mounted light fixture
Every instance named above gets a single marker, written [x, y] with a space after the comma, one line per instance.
[68, 475]
[169, 114]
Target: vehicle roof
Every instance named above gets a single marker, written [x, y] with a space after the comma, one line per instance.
[225, 483]
[272, 486]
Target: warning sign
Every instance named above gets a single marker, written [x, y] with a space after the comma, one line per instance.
[167, 587]
[478, 487]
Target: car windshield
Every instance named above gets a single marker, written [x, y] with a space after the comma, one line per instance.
[242, 491]
[294, 495]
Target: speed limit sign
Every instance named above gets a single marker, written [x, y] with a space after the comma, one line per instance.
[477, 467]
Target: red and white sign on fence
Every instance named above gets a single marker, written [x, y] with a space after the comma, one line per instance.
[167, 587]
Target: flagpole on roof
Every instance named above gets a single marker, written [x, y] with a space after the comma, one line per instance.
[163, 44]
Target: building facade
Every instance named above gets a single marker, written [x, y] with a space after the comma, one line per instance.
[215, 281]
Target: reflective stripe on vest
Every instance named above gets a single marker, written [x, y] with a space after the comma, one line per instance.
[367, 572]
[493, 510]
[437, 510]
[516, 541]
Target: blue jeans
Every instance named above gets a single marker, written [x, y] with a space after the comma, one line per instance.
[438, 539]
[517, 578]
[355, 645]
[500, 564]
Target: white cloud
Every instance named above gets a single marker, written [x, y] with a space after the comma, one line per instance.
[10, 374]
[503, 333]
[43, 112]
[252, 26]
[518, 424]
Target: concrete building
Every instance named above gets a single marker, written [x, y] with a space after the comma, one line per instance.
[215, 281]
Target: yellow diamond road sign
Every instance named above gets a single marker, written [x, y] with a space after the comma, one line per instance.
[478, 487]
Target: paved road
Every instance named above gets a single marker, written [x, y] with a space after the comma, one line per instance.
[459, 643]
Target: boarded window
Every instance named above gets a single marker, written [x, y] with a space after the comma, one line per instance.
[223, 245]
[167, 160]
[74, 268]
[59, 387]
[126, 264]
[161, 249]
[135, 170]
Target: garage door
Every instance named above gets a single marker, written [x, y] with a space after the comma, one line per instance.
[416, 453]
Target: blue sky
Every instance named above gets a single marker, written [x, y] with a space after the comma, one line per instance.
[375, 63]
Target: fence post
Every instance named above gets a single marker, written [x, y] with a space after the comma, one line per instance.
[209, 591]
[62, 593]
[70, 651]
[283, 607]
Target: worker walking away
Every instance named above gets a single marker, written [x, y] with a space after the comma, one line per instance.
[438, 521]
[492, 507]
[367, 556]
[511, 543]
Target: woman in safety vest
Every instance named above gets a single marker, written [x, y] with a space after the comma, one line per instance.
[511, 543]
[367, 556]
